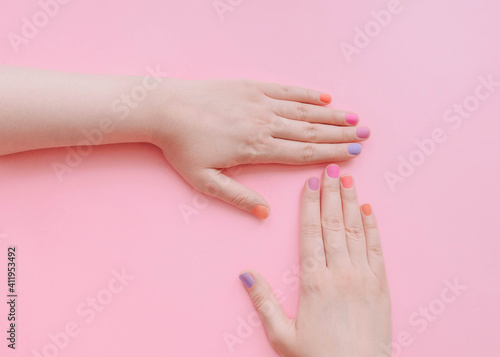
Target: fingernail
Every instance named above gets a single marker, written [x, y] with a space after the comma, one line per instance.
[354, 149]
[351, 118]
[362, 132]
[333, 171]
[260, 211]
[313, 183]
[247, 280]
[367, 209]
[346, 181]
[325, 98]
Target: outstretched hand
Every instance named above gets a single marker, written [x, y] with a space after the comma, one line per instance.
[344, 308]
[204, 127]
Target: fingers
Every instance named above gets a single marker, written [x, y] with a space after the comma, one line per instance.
[332, 219]
[298, 153]
[269, 308]
[373, 243]
[312, 251]
[319, 133]
[296, 94]
[216, 184]
[313, 113]
[355, 236]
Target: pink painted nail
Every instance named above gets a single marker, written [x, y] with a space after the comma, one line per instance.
[362, 132]
[333, 171]
[351, 118]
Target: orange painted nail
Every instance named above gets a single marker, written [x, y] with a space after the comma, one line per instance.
[325, 98]
[346, 181]
[367, 209]
[260, 211]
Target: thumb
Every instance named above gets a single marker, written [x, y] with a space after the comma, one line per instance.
[216, 184]
[271, 312]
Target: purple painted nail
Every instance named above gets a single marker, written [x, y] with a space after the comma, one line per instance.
[247, 280]
[354, 149]
[351, 118]
[362, 132]
[333, 171]
[313, 183]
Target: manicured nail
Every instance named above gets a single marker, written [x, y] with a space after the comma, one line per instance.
[325, 98]
[367, 209]
[351, 118]
[313, 183]
[354, 149]
[346, 181]
[333, 171]
[247, 279]
[362, 132]
[260, 211]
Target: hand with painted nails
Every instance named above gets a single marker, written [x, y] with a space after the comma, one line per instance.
[344, 308]
[202, 127]
[205, 127]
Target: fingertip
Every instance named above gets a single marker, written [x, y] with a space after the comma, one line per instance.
[352, 118]
[366, 209]
[247, 279]
[313, 183]
[347, 181]
[333, 171]
[354, 149]
[260, 211]
[325, 98]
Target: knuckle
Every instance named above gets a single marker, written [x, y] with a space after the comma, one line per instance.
[240, 200]
[308, 152]
[375, 249]
[302, 112]
[313, 285]
[354, 233]
[261, 300]
[311, 230]
[345, 135]
[285, 91]
[310, 95]
[311, 132]
[333, 223]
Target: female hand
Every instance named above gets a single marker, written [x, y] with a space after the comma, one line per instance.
[205, 127]
[345, 308]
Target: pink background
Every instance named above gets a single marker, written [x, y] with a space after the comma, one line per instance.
[121, 208]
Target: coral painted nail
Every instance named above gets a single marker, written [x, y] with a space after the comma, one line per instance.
[354, 149]
[362, 132]
[333, 171]
[325, 98]
[367, 209]
[260, 211]
[313, 183]
[247, 280]
[352, 118]
[346, 181]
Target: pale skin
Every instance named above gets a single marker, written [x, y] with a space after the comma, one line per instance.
[202, 127]
[205, 127]
[345, 308]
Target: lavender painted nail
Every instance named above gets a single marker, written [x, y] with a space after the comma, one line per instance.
[247, 279]
[354, 149]
[313, 183]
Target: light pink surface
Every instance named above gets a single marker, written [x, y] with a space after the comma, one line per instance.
[121, 208]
